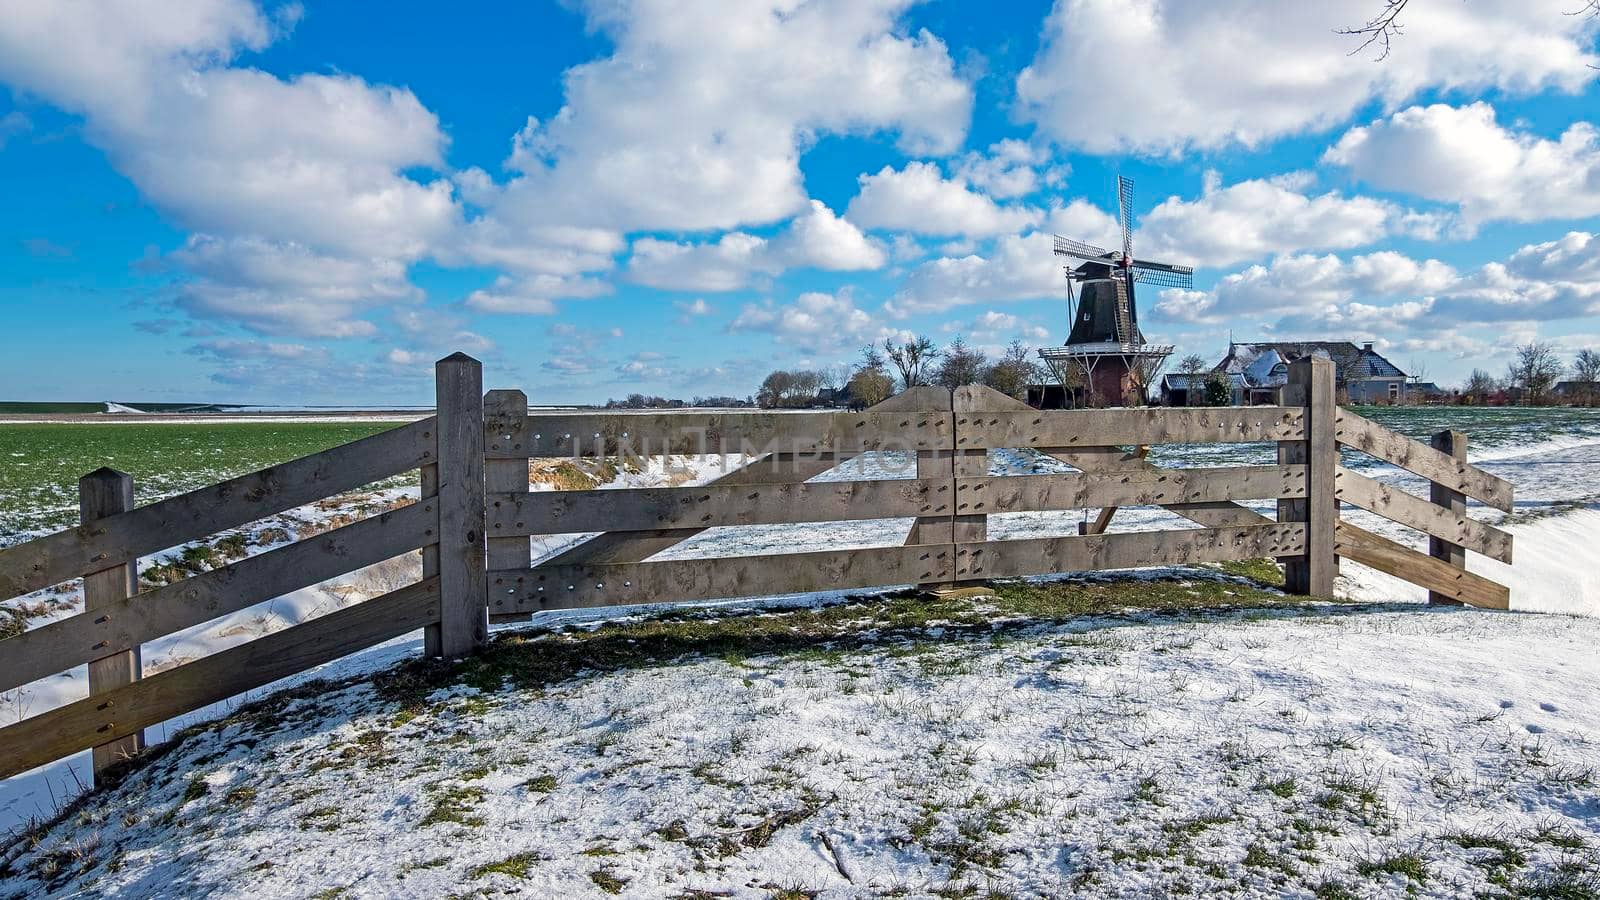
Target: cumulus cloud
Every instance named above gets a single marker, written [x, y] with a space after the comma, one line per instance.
[1211, 73]
[1462, 155]
[1010, 168]
[1019, 267]
[818, 239]
[1390, 293]
[533, 295]
[697, 119]
[919, 199]
[1258, 218]
[816, 323]
[288, 288]
[993, 329]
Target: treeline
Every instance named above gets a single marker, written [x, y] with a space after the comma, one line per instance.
[643, 401]
[1533, 376]
[880, 371]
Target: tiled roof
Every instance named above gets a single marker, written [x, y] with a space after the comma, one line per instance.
[1353, 363]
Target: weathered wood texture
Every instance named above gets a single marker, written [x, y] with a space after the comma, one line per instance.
[1452, 503]
[463, 591]
[644, 435]
[1097, 552]
[1358, 433]
[1313, 572]
[428, 491]
[624, 546]
[712, 505]
[102, 493]
[1444, 523]
[620, 584]
[1102, 427]
[1150, 487]
[1457, 585]
[77, 726]
[167, 523]
[120, 625]
[507, 548]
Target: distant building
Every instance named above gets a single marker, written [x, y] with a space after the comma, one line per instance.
[1577, 390]
[1184, 389]
[1361, 374]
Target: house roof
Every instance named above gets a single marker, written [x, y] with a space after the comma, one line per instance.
[1352, 363]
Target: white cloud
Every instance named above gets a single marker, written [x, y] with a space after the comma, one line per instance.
[822, 240]
[288, 289]
[737, 260]
[732, 262]
[921, 200]
[316, 159]
[1020, 267]
[1163, 75]
[1010, 168]
[697, 119]
[1257, 218]
[816, 323]
[533, 295]
[1390, 294]
[993, 329]
[1461, 155]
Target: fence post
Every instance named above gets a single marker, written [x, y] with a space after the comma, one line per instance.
[463, 582]
[508, 410]
[1312, 378]
[105, 492]
[1453, 443]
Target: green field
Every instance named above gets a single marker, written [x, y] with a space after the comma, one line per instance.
[40, 463]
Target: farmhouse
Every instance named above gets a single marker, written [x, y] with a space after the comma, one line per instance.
[1255, 372]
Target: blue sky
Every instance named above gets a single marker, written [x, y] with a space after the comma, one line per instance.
[309, 202]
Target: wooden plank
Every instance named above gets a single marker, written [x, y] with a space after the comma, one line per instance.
[428, 490]
[1313, 572]
[643, 435]
[636, 546]
[186, 517]
[1442, 522]
[1358, 433]
[708, 506]
[1145, 487]
[1152, 425]
[1102, 520]
[67, 729]
[123, 624]
[1420, 569]
[1454, 445]
[1138, 549]
[463, 592]
[670, 581]
[107, 492]
[504, 411]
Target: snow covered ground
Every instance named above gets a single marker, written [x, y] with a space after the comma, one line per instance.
[1033, 751]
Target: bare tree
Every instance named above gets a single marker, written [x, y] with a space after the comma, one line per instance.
[1480, 385]
[961, 365]
[1586, 369]
[1534, 371]
[1193, 364]
[1380, 30]
[912, 359]
[1013, 372]
[869, 387]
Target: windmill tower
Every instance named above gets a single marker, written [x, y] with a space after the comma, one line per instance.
[1105, 351]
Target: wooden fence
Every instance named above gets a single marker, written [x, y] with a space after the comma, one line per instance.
[476, 514]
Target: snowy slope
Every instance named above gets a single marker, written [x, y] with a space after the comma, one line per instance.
[1259, 753]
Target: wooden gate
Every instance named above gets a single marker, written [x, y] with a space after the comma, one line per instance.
[476, 514]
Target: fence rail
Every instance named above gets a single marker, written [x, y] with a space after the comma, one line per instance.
[476, 513]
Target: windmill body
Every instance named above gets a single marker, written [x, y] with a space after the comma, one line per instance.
[1106, 360]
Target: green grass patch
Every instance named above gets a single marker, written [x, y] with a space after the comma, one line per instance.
[455, 805]
[1410, 865]
[516, 865]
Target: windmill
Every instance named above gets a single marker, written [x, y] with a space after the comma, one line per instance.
[1105, 350]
